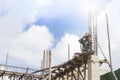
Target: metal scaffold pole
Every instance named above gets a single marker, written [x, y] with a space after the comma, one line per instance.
[109, 47]
[50, 64]
[7, 58]
[68, 51]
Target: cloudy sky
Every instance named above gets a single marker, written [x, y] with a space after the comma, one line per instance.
[28, 27]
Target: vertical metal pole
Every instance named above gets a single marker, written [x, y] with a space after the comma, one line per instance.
[95, 33]
[47, 59]
[109, 46]
[68, 60]
[68, 52]
[96, 39]
[43, 61]
[89, 22]
[6, 59]
[50, 64]
[42, 66]
[85, 72]
[90, 25]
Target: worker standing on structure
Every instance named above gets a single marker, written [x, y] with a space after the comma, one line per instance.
[86, 42]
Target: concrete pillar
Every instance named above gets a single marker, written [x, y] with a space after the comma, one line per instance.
[93, 68]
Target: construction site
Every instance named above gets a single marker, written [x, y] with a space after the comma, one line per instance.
[85, 65]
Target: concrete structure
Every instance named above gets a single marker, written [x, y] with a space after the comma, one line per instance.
[93, 68]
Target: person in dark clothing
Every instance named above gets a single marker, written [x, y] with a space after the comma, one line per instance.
[86, 42]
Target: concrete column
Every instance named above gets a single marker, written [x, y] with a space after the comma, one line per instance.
[93, 68]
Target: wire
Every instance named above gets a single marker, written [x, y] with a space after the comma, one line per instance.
[102, 51]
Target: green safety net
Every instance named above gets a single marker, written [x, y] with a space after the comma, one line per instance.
[109, 75]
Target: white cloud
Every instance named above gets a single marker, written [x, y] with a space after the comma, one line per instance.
[60, 52]
[29, 45]
[14, 16]
[24, 45]
[35, 37]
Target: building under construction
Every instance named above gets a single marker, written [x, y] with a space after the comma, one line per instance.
[85, 65]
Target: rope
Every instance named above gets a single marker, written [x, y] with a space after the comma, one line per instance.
[102, 51]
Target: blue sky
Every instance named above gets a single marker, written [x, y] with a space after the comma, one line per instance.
[62, 25]
[28, 27]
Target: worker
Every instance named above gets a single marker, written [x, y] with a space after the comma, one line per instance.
[86, 42]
